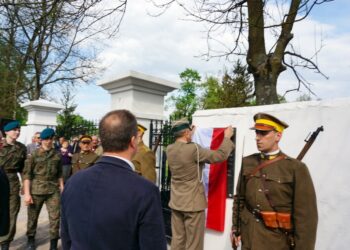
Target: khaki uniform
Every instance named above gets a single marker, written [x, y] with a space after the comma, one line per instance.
[99, 150]
[43, 169]
[187, 198]
[12, 159]
[290, 189]
[145, 162]
[83, 160]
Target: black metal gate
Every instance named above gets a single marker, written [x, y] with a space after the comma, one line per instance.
[160, 137]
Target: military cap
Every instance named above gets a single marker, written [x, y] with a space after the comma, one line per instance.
[267, 122]
[47, 133]
[141, 128]
[85, 138]
[181, 124]
[11, 125]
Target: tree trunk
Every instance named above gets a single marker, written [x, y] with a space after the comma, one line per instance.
[265, 90]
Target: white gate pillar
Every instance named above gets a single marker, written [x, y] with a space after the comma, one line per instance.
[142, 94]
[41, 114]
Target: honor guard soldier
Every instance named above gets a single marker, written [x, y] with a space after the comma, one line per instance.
[144, 159]
[85, 158]
[43, 183]
[12, 157]
[187, 199]
[275, 196]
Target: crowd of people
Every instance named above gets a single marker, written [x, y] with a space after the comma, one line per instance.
[105, 197]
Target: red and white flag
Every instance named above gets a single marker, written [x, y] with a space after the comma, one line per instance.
[214, 178]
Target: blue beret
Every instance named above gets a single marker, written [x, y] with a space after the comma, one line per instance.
[47, 133]
[11, 125]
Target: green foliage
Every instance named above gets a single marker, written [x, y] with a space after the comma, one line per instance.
[185, 100]
[69, 123]
[235, 89]
[9, 84]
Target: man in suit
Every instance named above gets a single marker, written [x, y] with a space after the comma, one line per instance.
[109, 206]
[144, 159]
[187, 199]
[278, 208]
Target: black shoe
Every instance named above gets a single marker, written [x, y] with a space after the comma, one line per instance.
[31, 243]
[53, 244]
[5, 246]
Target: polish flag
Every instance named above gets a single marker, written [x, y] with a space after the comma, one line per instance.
[214, 178]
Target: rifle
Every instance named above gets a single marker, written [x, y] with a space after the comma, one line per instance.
[238, 207]
[309, 141]
[157, 142]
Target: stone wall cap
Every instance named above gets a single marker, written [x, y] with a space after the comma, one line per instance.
[41, 103]
[139, 76]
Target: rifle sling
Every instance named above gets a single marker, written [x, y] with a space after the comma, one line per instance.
[266, 163]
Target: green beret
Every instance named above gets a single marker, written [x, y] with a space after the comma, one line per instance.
[181, 124]
[47, 133]
[11, 125]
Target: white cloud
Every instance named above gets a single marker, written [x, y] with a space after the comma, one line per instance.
[164, 46]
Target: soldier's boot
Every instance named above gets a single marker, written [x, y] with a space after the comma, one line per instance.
[5, 246]
[31, 243]
[53, 244]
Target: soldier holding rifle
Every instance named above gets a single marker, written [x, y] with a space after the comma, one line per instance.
[275, 196]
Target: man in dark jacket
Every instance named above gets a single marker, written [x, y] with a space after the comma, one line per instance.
[109, 206]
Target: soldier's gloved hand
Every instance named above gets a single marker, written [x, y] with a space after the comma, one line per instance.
[28, 199]
[228, 132]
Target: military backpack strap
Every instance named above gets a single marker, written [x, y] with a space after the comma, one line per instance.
[265, 164]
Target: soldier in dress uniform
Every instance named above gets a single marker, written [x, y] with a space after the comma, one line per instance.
[85, 158]
[144, 159]
[187, 199]
[276, 196]
[12, 157]
[43, 183]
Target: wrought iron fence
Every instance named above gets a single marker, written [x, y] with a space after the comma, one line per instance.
[84, 127]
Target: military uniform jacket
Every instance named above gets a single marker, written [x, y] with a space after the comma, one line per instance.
[187, 192]
[290, 189]
[12, 159]
[83, 160]
[43, 169]
[145, 162]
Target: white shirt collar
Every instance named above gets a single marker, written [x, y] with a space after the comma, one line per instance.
[273, 153]
[123, 159]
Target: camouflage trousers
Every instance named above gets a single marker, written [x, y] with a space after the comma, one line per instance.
[52, 202]
[15, 203]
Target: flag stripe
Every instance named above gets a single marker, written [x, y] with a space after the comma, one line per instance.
[217, 187]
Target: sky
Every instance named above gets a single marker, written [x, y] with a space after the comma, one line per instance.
[165, 46]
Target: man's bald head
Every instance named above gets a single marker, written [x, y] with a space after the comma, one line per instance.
[116, 130]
